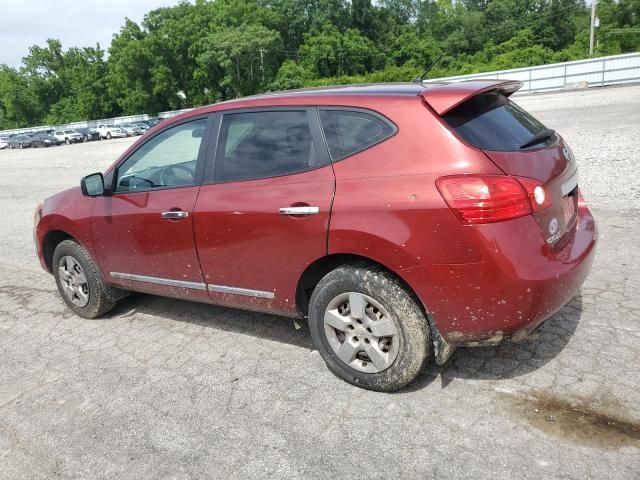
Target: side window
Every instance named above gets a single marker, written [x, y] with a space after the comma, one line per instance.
[350, 131]
[167, 160]
[255, 145]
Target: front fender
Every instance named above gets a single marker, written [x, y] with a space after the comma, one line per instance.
[69, 213]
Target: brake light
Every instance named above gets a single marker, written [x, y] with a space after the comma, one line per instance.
[492, 198]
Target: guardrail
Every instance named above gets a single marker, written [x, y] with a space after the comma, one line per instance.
[602, 71]
[594, 72]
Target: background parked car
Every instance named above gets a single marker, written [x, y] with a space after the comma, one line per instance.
[20, 141]
[4, 142]
[142, 126]
[131, 129]
[110, 131]
[44, 140]
[68, 136]
[88, 134]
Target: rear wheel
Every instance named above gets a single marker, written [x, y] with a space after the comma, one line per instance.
[79, 281]
[368, 329]
[108, 135]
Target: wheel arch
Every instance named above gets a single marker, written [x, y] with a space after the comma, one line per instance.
[51, 240]
[322, 266]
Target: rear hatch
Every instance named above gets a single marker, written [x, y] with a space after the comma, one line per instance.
[520, 146]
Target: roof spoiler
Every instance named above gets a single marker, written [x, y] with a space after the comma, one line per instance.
[445, 98]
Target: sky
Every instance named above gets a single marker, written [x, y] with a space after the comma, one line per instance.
[75, 23]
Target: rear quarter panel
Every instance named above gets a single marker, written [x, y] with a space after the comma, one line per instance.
[386, 204]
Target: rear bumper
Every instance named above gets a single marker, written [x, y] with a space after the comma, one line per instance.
[518, 284]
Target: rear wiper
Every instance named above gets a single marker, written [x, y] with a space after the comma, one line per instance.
[539, 137]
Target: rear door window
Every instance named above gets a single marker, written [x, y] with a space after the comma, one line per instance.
[492, 122]
[254, 145]
[351, 131]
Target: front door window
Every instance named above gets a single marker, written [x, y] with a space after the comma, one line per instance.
[167, 160]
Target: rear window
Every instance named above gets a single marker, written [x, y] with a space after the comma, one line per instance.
[492, 122]
[351, 131]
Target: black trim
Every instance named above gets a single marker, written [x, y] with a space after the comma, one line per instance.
[366, 111]
[200, 161]
[316, 137]
[211, 149]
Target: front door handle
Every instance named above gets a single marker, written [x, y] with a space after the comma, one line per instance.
[299, 210]
[174, 214]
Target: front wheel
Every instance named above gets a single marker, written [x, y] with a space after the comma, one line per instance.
[108, 135]
[368, 329]
[79, 281]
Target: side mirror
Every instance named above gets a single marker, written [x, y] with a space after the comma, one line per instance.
[92, 185]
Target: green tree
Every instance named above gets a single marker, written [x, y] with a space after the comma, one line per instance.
[330, 53]
[290, 75]
[244, 56]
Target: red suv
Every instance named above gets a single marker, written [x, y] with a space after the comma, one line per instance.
[397, 218]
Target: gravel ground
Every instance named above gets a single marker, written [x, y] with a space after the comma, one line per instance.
[170, 389]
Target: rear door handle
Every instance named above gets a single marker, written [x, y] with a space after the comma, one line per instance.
[299, 210]
[174, 214]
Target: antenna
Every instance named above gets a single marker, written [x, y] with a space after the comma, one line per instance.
[421, 78]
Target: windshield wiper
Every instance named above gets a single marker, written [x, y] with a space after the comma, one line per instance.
[539, 137]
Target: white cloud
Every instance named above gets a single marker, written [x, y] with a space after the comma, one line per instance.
[75, 23]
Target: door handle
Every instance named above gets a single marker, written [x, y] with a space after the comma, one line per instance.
[174, 214]
[299, 210]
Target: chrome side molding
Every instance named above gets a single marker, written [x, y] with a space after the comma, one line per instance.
[159, 281]
[193, 285]
[240, 291]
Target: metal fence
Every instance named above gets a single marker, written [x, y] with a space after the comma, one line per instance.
[602, 71]
[595, 72]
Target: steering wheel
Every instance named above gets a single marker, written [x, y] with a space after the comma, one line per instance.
[169, 176]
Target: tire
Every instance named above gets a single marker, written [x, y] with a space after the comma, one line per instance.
[92, 302]
[67, 141]
[108, 135]
[400, 356]
[20, 146]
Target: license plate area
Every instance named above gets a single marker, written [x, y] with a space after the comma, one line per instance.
[569, 208]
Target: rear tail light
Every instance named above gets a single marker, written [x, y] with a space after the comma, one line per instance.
[492, 198]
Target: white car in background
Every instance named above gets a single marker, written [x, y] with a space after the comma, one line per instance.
[67, 136]
[110, 131]
[4, 142]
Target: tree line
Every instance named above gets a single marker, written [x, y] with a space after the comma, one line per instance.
[198, 53]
